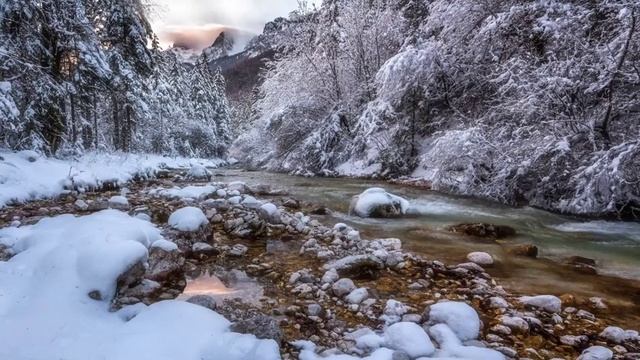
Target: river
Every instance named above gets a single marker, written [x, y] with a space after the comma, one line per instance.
[614, 245]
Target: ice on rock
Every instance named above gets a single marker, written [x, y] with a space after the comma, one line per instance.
[188, 219]
[377, 202]
[461, 318]
[596, 353]
[47, 314]
[548, 303]
[357, 296]
[410, 338]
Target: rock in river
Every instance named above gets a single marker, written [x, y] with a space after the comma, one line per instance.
[378, 203]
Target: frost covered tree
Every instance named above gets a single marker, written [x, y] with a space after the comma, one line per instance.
[79, 74]
[517, 101]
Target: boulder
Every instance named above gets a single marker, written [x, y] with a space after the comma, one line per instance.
[119, 203]
[526, 250]
[378, 203]
[164, 264]
[484, 230]
[269, 213]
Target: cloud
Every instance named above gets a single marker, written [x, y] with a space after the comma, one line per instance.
[196, 23]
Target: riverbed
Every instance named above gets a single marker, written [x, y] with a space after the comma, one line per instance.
[614, 245]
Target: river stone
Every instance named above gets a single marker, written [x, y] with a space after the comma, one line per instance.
[342, 287]
[357, 266]
[5, 253]
[357, 296]
[596, 353]
[484, 230]
[204, 301]
[378, 203]
[164, 264]
[480, 258]
[262, 326]
[526, 250]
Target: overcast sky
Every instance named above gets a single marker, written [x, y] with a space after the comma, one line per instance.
[200, 18]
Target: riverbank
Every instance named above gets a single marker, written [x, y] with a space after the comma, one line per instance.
[287, 260]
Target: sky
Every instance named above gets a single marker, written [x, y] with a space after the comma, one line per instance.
[196, 23]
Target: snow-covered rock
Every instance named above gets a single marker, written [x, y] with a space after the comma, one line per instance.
[377, 202]
[188, 219]
[451, 346]
[548, 303]
[119, 202]
[461, 318]
[47, 313]
[410, 338]
[480, 258]
[198, 172]
[393, 311]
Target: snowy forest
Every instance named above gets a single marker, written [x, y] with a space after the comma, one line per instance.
[81, 75]
[523, 102]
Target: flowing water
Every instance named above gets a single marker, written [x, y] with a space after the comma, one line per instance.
[614, 245]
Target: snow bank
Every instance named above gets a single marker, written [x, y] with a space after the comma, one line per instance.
[377, 202]
[47, 314]
[188, 219]
[23, 180]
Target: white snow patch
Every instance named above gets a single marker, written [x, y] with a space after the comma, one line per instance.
[193, 192]
[22, 180]
[376, 200]
[47, 314]
[461, 318]
[188, 219]
[410, 338]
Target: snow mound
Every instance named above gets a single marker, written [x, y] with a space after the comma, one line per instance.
[461, 318]
[451, 346]
[410, 338]
[377, 202]
[198, 172]
[47, 314]
[22, 179]
[188, 219]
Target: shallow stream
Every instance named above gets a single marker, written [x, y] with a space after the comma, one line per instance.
[614, 245]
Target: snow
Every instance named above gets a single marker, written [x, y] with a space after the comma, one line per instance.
[451, 346]
[549, 303]
[410, 338]
[188, 219]
[22, 180]
[118, 202]
[192, 192]
[461, 318]
[47, 314]
[165, 245]
[376, 202]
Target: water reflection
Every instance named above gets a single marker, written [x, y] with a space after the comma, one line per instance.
[240, 287]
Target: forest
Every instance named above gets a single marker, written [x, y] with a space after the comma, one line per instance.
[79, 75]
[522, 102]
